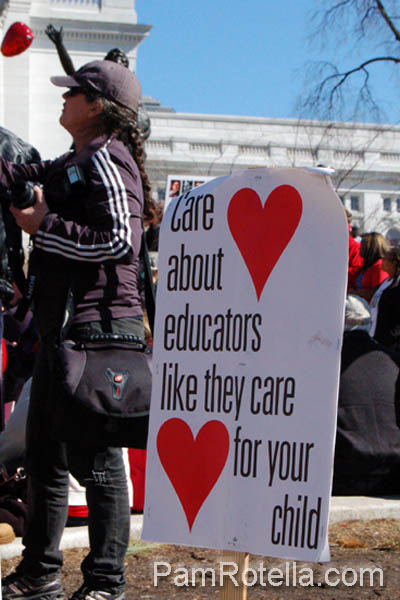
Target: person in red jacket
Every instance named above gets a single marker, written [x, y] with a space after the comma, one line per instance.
[373, 249]
[355, 260]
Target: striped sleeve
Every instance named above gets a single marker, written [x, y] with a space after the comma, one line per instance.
[110, 206]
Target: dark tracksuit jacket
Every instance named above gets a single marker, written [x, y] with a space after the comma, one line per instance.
[90, 239]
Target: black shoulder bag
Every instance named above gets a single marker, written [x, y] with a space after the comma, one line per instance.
[108, 374]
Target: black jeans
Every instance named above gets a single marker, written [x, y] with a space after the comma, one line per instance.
[100, 469]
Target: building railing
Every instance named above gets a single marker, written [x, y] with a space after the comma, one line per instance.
[91, 4]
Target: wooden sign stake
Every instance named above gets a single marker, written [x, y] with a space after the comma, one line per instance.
[229, 590]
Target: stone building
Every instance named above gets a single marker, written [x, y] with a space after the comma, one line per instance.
[366, 157]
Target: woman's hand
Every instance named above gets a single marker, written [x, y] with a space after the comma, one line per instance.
[30, 218]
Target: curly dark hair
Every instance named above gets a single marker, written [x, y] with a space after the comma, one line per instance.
[123, 121]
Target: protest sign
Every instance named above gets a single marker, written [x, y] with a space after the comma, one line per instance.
[249, 321]
[180, 184]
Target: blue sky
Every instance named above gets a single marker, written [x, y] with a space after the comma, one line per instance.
[235, 57]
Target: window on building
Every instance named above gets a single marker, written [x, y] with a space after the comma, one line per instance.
[342, 200]
[387, 204]
[398, 204]
[355, 203]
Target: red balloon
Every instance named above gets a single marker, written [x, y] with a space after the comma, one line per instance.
[17, 39]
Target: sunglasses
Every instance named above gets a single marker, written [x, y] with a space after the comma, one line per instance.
[75, 91]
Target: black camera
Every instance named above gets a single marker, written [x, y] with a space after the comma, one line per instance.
[21, 194]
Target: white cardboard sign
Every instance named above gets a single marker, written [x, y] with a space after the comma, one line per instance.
[249, 321]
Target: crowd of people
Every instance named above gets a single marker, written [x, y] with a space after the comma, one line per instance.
[374, 274]
[367, 452]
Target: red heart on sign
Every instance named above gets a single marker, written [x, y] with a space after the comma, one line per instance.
[17, 39]
[262, 232]
[192, 465]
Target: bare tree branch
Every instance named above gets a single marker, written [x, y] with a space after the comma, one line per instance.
[361, 67]
[347, 93]
[365, 19]
[388, 20]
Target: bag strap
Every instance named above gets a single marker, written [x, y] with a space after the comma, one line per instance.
[6, 478]
[149, 293]
[68, 314]
[114, 340]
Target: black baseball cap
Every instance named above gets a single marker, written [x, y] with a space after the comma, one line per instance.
[111, 80]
